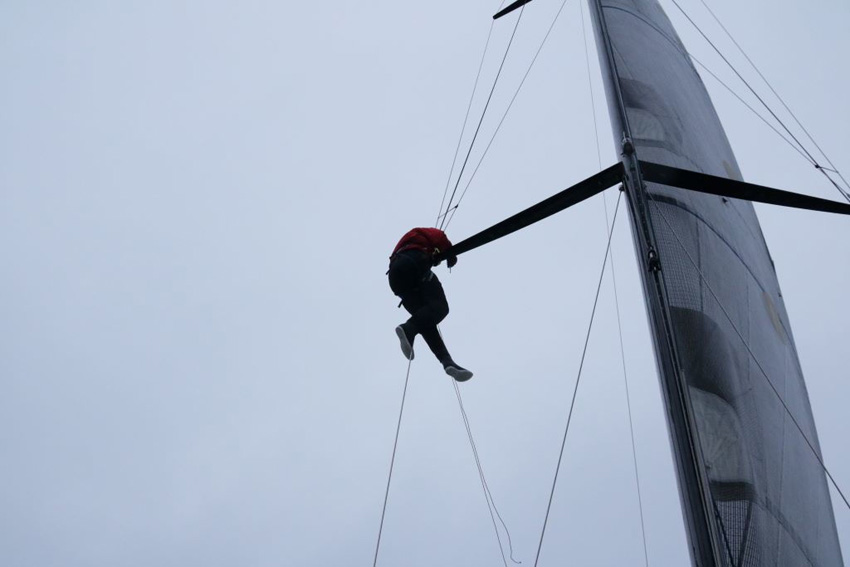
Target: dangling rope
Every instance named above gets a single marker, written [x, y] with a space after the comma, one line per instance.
[491, 504]
[392, 464]
[578, 380]
[441, 219]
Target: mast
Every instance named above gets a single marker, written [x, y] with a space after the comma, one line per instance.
[751, 484]
[692, 492]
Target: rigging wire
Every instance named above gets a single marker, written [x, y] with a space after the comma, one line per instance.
[499, 125]
[751, 353]
[483, 113]
[578, 380]
[628, 398]
[441, 217]
[616, 295]
[734, 70]
[794, 146]
[392, 463]
[810, 157]
[681, 48]
[491, 504]
[440, 214]
[781, 100]
[592, 98]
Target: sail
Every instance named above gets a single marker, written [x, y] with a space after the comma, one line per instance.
[753, 490]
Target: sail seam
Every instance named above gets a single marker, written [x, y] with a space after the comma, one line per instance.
[681, 49]
[727, 543]
[672, 201]
[695, 497]
[752, 354]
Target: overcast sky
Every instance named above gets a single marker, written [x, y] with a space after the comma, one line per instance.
[197, 357]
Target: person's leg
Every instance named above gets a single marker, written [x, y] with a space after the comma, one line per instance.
[438, 347]
[434, 310]
[428, 306]
[405, 276]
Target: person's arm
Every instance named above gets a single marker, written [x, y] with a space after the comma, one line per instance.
[441, 244]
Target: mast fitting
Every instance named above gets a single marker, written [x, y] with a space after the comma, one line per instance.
[652, 260]
[627, 145]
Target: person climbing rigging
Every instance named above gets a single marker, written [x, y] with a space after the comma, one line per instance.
[422, 294]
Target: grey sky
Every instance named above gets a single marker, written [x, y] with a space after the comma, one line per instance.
[197, 202]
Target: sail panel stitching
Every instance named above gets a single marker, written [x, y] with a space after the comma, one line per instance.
[726, 542]
[752, 355]
[679, 47]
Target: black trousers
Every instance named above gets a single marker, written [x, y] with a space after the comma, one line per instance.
[422, 295]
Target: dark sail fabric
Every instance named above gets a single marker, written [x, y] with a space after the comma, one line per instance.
[767, 493]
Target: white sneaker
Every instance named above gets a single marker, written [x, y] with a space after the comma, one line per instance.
[406, 347]
[457, 372]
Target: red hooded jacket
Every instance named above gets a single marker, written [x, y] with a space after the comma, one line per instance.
[431, 241]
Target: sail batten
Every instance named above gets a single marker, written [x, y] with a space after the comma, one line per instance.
[752, 491]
